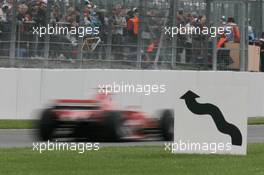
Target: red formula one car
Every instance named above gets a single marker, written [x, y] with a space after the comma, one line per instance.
[99, 120]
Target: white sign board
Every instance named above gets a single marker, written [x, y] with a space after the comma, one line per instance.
[211, 118]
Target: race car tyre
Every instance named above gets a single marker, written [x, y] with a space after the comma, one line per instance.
[47, 125]
[167, 125]
[113, 126]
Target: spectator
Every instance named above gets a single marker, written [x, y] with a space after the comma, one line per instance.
[94, 20]
[55, 14]
[130, 28]
[199, 42]
[181, 18]
[135, 21]
[39, 13]
[119, 22]
[3, 13]
[2, 18]
[23, 14]
[261, 44]
[6, 9]
[1, 25]
[251, 35]
[234, 36]
[72, 16]
[188, 38]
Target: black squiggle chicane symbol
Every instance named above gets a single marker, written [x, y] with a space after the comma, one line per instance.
[219, 120]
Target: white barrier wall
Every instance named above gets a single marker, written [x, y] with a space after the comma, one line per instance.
[22, 91]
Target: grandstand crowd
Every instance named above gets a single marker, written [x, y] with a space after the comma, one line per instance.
[122, 22]
[34, 13]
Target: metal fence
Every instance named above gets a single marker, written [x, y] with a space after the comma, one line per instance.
[118, 45]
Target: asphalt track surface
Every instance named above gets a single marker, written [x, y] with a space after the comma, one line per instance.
[11, 138]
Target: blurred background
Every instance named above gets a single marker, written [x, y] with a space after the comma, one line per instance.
[132, 34]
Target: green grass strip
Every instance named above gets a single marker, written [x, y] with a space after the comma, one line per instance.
[129, 161]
